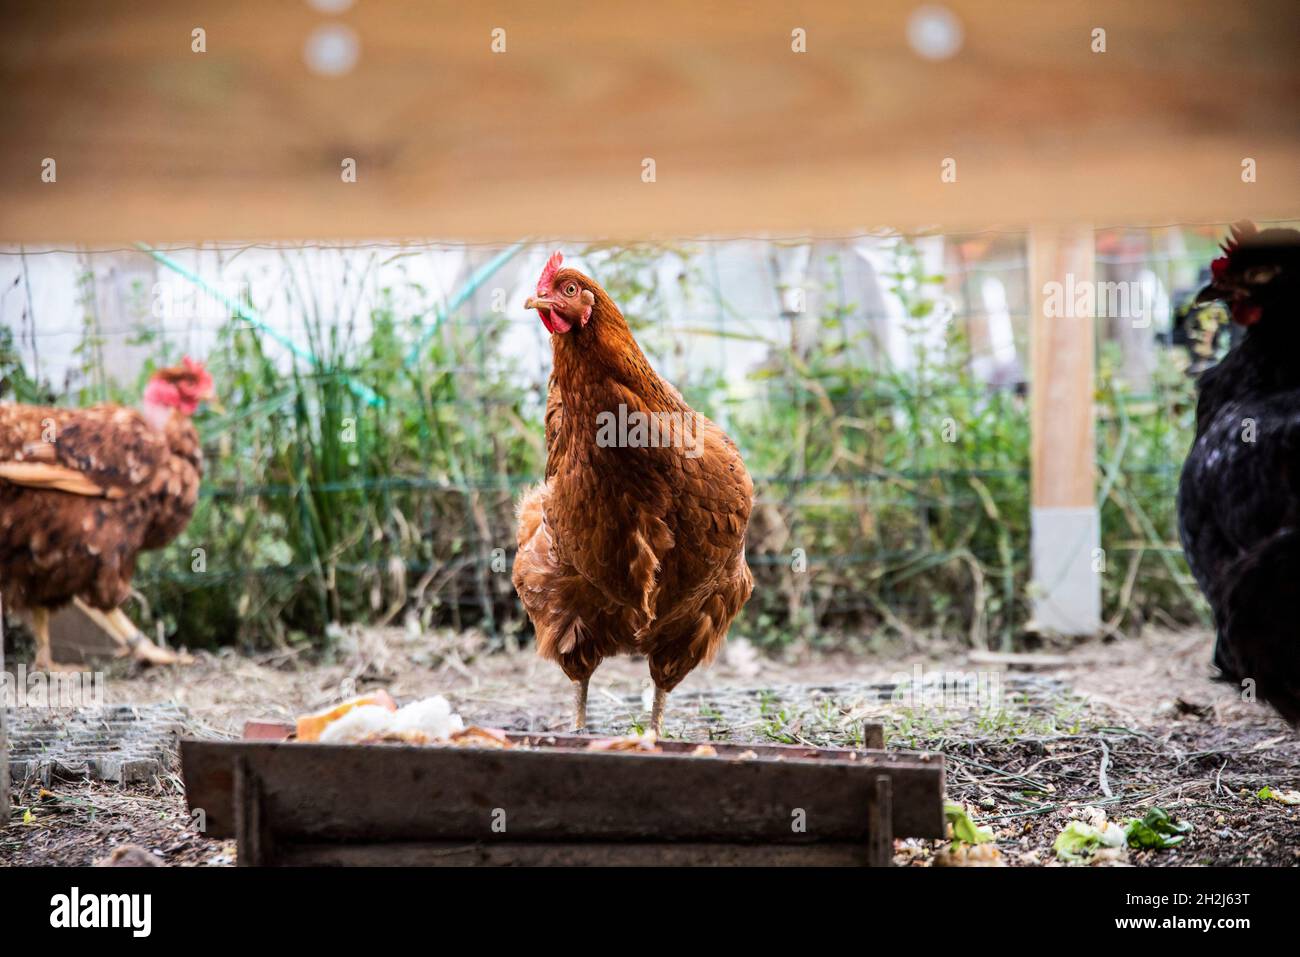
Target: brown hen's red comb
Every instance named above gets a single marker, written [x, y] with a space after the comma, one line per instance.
[548, 273]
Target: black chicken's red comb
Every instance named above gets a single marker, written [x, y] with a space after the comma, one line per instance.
[1241, 231]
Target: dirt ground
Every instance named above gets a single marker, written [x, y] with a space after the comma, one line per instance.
[1115, 730]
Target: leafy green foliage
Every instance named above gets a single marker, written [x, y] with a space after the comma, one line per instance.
[1157, 830]
[15, 384]
[1080, 841]
[319, 507]
[1282, 797]
[964, 830]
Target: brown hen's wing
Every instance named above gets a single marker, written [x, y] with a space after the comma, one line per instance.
[715, 496]
[708, 580]
[554, 418]
[103, 451]
[54, 478]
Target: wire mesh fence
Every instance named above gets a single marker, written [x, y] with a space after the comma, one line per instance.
[384, 411]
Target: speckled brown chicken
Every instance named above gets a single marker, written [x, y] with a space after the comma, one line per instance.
[83, 491]
[635, 541]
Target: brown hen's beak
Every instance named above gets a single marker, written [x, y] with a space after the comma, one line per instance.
[537, 302]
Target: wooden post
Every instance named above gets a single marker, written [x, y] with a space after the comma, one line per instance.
[251, 831]
[1065, 526]
[880, 824]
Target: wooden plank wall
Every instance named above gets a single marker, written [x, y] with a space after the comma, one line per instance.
[152, 140]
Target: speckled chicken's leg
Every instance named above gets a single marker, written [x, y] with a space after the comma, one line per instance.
[140, 646]
[107, 626]
[657, 712]
[44, 660]
[580, 704]
[130, 640]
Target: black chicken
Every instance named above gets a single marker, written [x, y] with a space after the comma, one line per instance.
[1239, 497]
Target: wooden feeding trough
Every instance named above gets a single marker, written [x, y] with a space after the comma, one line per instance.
[550, 800]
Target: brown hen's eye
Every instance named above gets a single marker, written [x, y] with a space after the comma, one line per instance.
[571, 289]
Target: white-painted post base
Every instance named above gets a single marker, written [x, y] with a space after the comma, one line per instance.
[1065, 552]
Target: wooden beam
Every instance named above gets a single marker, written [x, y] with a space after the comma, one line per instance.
[1065, 529]
[152, 140]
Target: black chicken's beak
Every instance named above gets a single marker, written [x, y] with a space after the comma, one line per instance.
[1211, 293]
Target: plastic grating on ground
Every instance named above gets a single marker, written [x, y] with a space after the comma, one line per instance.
[761, 713]
[134, 743]
[121, 743]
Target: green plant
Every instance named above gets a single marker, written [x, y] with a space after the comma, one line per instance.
[964, 830]
[319, 507]
[1156, 830]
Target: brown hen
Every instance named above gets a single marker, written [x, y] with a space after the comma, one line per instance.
[83, 491]
[635, 541]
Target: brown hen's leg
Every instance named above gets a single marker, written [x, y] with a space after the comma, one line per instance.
[580, 704]
[657, 712]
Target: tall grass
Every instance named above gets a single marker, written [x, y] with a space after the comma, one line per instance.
[904, 492]
[320, 507]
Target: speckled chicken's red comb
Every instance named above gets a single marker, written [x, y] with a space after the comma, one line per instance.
[548, 272]
[199, 371]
